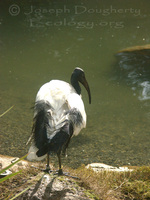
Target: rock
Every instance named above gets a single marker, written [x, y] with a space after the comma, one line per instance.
[6, 173]
[54, 188]
[44, 186]
[141, 50]
[7, 160]
[98, 167]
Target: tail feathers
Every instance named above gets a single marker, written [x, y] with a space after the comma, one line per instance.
[41, 123]
[61, 137]
[58, 140]
[43, 150]
[46, 138]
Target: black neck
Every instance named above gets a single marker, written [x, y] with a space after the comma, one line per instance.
[75, 83]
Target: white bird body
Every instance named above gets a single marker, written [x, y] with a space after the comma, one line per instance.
[59, 114]
[62, 97]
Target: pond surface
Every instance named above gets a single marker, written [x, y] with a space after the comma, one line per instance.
[43, 41]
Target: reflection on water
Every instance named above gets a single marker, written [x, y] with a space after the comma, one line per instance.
[38, 44]
[135, 70]
[145, 94]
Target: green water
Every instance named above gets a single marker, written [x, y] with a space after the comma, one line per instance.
[44, 41]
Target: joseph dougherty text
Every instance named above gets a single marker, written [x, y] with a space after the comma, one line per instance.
[80, 10]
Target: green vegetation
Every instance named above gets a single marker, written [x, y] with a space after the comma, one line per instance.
[6, 111]
[117, 185]
[20, 181]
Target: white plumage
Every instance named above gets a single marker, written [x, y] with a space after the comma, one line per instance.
[59, 114]
[62, 97]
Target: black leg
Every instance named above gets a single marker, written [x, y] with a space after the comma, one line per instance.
[48, 169]
[60, 172]
[47, 165]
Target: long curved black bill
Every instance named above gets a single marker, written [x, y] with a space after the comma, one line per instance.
[86, 85]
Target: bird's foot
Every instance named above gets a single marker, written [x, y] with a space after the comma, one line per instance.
[47, 169]
[61, 173]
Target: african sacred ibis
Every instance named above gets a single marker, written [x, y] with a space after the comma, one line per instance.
[58, 115]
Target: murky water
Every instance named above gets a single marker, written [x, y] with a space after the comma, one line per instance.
[44, 41]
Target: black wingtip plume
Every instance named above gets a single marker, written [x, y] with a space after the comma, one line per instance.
[40, 125]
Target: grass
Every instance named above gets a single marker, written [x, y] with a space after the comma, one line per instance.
[6, 111]
[20, 182]
[8, 167]
[108, 185]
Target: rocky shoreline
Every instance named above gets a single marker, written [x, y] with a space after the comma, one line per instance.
[46, 186]
[7, 160]
[53, 187]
